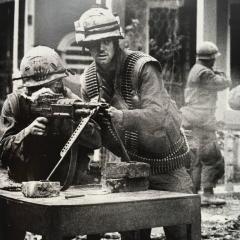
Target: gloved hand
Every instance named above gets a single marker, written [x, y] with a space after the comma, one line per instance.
[37, 127]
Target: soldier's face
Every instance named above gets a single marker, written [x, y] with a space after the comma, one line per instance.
[103, 52]
[56, 86]
[212, 62]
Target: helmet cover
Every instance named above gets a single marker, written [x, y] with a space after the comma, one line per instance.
[96, 24]
[41, 65]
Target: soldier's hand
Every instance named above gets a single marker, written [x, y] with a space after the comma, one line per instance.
[217, 71]
[37, 127]
[116, 115]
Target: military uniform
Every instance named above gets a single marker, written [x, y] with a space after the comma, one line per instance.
[144, 117]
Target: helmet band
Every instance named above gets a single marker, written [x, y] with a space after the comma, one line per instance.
[88, 33]
[42, 77]
[115, 23]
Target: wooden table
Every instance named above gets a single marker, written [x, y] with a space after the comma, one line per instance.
[56, 218]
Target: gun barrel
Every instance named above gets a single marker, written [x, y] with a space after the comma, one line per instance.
[61, 114]
[82, 112]
[91, 105]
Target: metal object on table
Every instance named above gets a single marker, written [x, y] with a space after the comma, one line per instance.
[74, 196]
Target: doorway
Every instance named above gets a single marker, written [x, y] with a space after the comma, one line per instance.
[172, 31]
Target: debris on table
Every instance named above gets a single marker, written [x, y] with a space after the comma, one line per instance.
[126, 176]
[40, 189]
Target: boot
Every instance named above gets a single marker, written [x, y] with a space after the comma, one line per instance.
[208, 198]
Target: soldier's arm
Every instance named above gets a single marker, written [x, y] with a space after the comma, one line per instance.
[214, 80]
[11, 135]
[11, 138]
[154, 103]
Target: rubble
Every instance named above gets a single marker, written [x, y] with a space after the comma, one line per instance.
[37, 189]
[126, 169]
[222, 223]
[126, 176]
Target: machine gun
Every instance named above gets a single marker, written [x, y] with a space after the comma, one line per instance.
[56, 107]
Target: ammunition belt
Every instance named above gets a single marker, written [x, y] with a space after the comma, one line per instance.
[130, 137]
[177, 157]
[92, 86]
[131, 140]
[129, 86]
[128, 73]
[173, 161]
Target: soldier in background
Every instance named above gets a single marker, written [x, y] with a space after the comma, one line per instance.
[145, 118]
[201, 91]
[28, 148]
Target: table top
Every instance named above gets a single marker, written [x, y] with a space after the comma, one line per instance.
[94, 196]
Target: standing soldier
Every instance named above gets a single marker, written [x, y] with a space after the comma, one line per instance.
[202, 87]
[146, 119]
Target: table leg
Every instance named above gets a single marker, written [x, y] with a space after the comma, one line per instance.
[53, 236]
[194, 229]
[3, 225]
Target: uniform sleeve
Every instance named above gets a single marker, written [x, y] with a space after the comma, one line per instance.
[155, 103]
[11, 138]
[214, 80]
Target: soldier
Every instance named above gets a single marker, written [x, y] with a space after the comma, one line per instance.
[202, 87]
[146, 119]
[28, 147]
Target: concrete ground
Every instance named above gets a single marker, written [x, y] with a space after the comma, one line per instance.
[227, 189]
[223, 223]
[218, 223]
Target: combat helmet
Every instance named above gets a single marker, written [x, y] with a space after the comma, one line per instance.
[41, 65]
[207, 51]
[96, 24]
